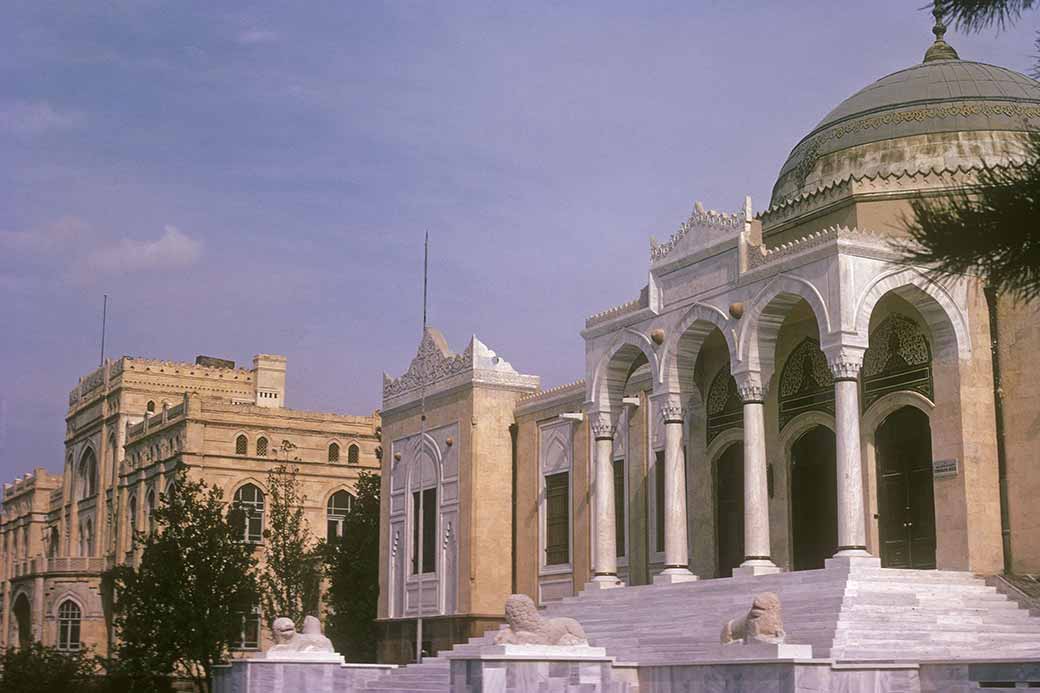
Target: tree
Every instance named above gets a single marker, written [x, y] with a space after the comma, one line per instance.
[39, 669]
[181, 608]
[989, 230]
[290, 578]
[352, 569]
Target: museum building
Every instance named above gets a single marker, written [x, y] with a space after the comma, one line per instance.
[130, 425]
[785, 389]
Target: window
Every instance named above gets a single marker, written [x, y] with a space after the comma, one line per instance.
[88, 475]
[149, 510]
[261, 447]
[336, 512]
[250, 500]
[241, 445]
[25, 541]
[249, 635]
[86, 538]
[151, 407]
[334, 452]
[659, 501]
[68, 625]
[53, 542]
[429, 531]
[619, 506]
[132, 512]
[557, 519]
[353, 454]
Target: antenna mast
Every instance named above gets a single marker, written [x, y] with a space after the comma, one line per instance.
[422, 437]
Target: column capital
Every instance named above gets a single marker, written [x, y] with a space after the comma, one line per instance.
[669, 406]
[751, 387]
[845, 361]
[602, 426]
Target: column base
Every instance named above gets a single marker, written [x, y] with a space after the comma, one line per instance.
[756, 566]
[852, 558]
[603, 582]
[672, 576]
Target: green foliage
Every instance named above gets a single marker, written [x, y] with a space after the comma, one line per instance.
[352, 568]
[290, 578]
[39, 669]
[180, 610]
[974, 15]
[991, 230]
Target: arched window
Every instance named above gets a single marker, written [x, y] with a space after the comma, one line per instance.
[261, 447]
[68, 625]
[241, 445]
[353, 454]
[806, 383]
[333, 452]
[86, 538]
[336, 512]
[54, 540]
[151, 407]
[250, 500]
[149, 510]
[132, 512]
[88, 474]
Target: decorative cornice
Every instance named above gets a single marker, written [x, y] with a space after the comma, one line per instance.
[760, 256]
[616, 311]
[700, 230]
[437, 369]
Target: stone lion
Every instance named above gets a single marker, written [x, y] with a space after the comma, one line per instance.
[762, 624]
[288, 642]
[528, 627]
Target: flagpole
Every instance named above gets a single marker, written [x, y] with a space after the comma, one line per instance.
[422, 439]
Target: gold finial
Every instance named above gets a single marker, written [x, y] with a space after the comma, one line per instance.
[939, 50]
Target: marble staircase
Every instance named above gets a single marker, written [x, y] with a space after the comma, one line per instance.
[847, 613]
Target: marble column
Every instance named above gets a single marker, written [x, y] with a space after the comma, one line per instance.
[676, 553]
[757, 555]
[845, 365]
[604, 570]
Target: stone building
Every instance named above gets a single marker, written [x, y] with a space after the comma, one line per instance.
[130, 425]
[786, 388]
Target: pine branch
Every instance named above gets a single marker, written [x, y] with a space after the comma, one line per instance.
[975, 15]
[991, 230]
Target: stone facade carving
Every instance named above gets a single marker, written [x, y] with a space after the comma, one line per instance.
[845, 362]
[703, 227]
[528, 627]
[601, 425]
[292, 645]
[763, 623]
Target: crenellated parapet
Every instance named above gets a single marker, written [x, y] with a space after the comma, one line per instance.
[702, 229]
[759, 256]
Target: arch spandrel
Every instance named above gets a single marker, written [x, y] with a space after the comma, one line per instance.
[947, 322]
[682, 347]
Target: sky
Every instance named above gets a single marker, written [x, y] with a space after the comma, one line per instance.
[247, 178]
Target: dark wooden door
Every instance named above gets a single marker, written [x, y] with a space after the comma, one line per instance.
[729, 488]
[814, 498]
[906, 502]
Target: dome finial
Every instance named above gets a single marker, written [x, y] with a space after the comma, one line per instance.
[939, 50]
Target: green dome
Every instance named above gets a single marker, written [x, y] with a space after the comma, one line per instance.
[940, 114]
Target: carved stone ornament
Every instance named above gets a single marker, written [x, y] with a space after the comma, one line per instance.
[750, 387]
[528, 627]
[763, 623]
[702, 229]
[736, 310]
[657, 336]
[601, 425]
[845, 362]
[671, 410]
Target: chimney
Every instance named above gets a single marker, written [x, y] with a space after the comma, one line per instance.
[269, 379]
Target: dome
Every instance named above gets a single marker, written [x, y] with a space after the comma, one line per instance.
[940, 114]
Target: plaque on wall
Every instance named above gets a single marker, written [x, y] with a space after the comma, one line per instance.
[944, 469]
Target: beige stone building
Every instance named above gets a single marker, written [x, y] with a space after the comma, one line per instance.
[130, 425]
[786, 388]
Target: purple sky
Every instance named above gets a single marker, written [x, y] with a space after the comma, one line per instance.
[259, 180]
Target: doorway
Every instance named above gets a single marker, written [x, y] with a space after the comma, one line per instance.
[814, 499]
[906, 501]
[23, 621]
[729, 518]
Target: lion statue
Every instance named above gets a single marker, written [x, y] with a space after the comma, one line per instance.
[762, 624]
[528, 627]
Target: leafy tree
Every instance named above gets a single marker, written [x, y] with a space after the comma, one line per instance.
[180, 609]
[290, 577]
[352, 569]
[991, 229]
[39, 669]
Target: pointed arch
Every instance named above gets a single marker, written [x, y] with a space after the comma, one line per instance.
[684, 344]
[627, 352]
[756, 344]
[946, 320]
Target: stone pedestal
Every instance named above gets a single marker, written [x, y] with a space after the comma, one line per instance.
[602, 582]
[314, 675]
[517, 668]
[759, 651]
[756, 567]
[851, 561]
[670, 576]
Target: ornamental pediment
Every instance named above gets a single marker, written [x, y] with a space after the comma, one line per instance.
[703, 229]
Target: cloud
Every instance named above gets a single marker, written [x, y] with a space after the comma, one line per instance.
[54, 238]
[173, 249]
[37, 117]
[255, 36]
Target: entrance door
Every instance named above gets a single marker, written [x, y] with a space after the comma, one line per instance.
[729, 505]
[23, 621]
[906, 505]
[814, 498]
